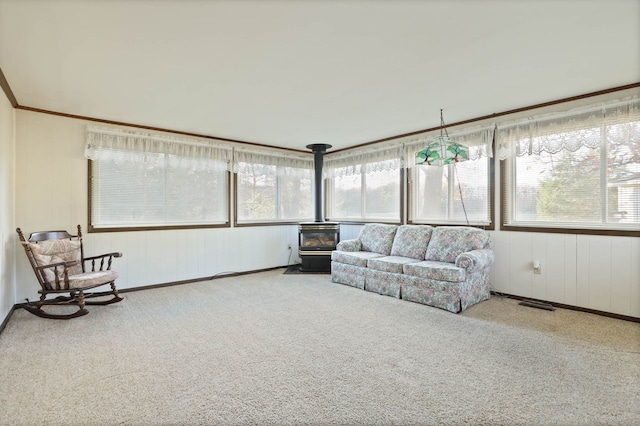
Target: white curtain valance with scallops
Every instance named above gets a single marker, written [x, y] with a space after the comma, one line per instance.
[370, 158]
[287, 163]
[116, 144]
[570, 130]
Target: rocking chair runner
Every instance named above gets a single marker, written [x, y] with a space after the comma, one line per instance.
[57, 259]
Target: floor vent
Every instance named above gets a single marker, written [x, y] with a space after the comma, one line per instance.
[538, 305]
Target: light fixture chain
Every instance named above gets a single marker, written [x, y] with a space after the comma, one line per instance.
[464, 209]
[442, 125]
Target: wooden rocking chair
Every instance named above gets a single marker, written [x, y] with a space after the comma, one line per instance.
[57, 259]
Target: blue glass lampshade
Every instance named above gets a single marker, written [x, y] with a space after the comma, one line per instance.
[442, 151]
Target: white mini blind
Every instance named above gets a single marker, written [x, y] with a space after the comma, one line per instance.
[454, 193]
[365, 182]
[150, 180]
[574, 169]
[273, 185]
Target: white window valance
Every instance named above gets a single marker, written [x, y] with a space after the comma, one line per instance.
[287, 163]
[123, 145]
[567, 130]
[479, 140]
[371, 158]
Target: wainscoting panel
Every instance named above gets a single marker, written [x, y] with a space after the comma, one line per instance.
[589, 271]
[583, 268]
[540, 251]
[634, 309]
[598, 251]
[568, 265]
[520, 257]
[620, 280]
[500, 277]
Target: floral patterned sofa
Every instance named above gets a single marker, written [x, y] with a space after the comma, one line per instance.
[446, 267]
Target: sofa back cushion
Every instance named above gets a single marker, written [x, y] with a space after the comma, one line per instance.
[411, 241]
[377, 237]
[447, 242]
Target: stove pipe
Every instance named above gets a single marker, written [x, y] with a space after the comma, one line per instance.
[318, 153]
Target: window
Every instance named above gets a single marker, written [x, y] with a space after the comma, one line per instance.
[575, 170]
[150, 182]
[273, 187]
[365, 192]
[452, 194]
[457, 193]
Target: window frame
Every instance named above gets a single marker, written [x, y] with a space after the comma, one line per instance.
[506, 183]
[411, 200]
[91, 228]
[329, 197]
[507, 189]
[262, 222]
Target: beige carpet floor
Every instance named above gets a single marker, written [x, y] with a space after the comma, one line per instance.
[278, 349]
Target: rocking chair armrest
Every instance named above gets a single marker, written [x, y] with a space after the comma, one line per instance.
[101, 256]
[58, 282]
[57, 264]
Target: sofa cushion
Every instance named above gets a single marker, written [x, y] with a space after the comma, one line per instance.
[389, 263]
[411, 241]
[447, 242]
[441, 271]
[377, 237]
[356, 258]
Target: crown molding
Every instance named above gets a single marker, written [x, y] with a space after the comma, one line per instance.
[7, 90]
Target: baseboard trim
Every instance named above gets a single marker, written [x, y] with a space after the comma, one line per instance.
[7, 318]
[195, 280]
[569, 307]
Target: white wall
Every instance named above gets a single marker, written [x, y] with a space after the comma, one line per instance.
[8, 238]
[52, 193]
[589, 271]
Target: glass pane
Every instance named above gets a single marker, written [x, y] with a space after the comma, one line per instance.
[128, 192]
[548, 188]
[296, 202]
[347, 197]
[443, 193]
[257, 193]
[623, 173]
[471, 187]
[432, 193]
[145, 190]
[382, 194]
[193, 196]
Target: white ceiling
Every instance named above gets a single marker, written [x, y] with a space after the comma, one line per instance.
[291, 73]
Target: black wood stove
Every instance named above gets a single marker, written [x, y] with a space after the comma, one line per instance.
[316, 240]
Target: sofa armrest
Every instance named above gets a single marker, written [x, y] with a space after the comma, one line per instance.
[349, 245]
[475, 260]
